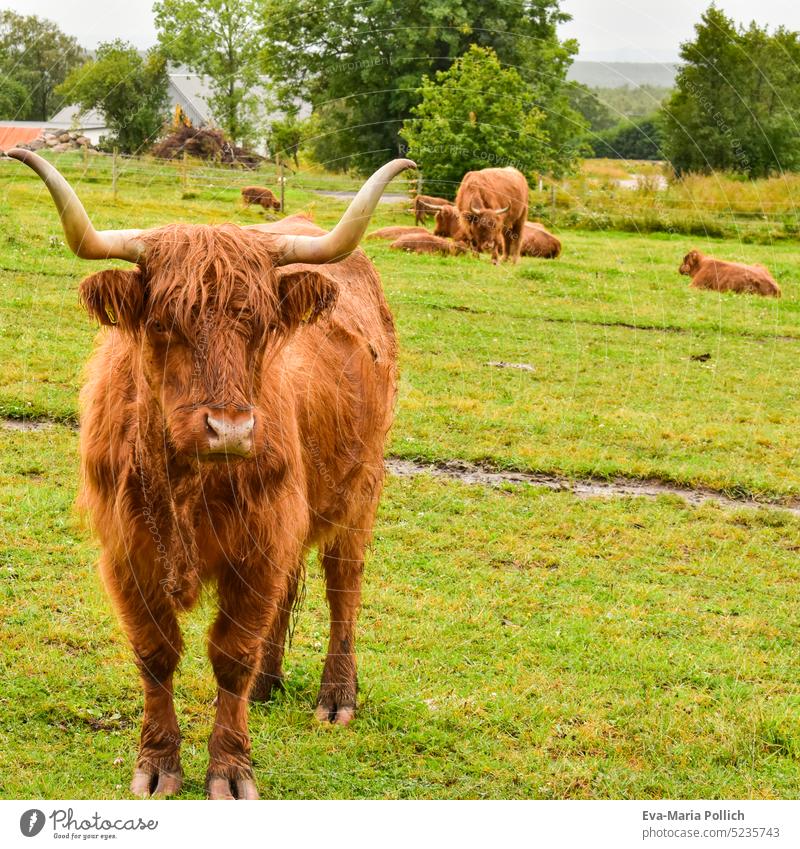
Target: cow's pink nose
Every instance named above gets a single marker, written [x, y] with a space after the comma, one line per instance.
[230, 432]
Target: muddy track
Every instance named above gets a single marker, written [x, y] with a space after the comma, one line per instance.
[481, 475]
[668, 328]
[471, 473]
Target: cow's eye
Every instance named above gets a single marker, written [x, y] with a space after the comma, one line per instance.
[158, 327]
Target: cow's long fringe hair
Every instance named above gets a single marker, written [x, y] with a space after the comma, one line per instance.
[225, 264]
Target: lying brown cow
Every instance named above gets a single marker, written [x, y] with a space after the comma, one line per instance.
[261, 196]
[538, 242]
[494, 204]
[721, 276]
[396, 231]
[426, 206]
[427, 244]
[234, 417]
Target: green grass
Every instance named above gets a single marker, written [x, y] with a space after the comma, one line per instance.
[513, 643]
[610, 329]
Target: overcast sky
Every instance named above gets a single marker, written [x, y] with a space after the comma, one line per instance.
[608, 30]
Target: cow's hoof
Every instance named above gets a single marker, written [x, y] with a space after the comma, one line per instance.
[154, 783]
[266, 686]
[328, 710]
[220, 787]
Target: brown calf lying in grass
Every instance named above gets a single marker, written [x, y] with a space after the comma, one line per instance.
[536, 241]
[427, 243]
[261, 196]
[397, 230]
[720, 276]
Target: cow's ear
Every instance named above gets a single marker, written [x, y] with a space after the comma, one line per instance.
[114, 297]
[304, 295]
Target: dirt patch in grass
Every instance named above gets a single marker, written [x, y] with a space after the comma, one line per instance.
[26, 424]
[472, 473]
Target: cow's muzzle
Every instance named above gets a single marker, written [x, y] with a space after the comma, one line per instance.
[229, 432]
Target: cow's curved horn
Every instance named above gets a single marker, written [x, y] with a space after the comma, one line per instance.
[434, 206]
[476, 210]
[83, 239]
[501, 210]
[346, 235]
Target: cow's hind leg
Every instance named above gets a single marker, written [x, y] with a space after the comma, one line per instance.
[269, 677]
[149, 619]
[343, 563]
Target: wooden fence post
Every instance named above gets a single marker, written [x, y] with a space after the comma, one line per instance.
[114, 173]
[184, 173]
[282, 179]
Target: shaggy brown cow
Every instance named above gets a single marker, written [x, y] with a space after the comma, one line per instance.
[426, 206]
[427, 243]
[261, 196]
[396, 231]
[538, 242]
[234, 416]
[449, 224]
[721, 276]
[494, 204]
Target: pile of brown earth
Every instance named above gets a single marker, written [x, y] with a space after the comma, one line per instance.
[59, 142]
[205, 143]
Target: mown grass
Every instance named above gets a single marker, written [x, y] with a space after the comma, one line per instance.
[610, 330]
[514, 643]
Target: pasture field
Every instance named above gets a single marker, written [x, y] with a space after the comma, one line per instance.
[514, 642]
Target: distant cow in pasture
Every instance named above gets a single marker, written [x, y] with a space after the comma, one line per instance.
[425, 206]
[395, 231]
[427, 244]
[538, 242]
[722, 276]
[449, 224]
[261, 196]
[494, 204]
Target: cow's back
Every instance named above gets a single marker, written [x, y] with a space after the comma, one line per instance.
[494, 188]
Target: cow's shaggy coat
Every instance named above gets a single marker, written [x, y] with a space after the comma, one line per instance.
[494, 204]
[539, 242]
[233, 417]
[427, 243]
[722, 276]
[260, 195]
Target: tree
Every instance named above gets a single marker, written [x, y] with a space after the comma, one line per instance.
[287, 136]
[475, 115]
[736, 105]
[642, 139]
[221, 40]
[594, 111]
[361, 64]
[35, 57]
[13, 97]
[129, 90]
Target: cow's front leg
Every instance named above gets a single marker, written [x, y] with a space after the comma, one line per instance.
[247, 607]
[343, 562]
[149, 619]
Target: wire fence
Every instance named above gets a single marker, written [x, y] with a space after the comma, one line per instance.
[583, 203]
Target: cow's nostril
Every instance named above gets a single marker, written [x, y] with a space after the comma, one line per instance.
[212, 431]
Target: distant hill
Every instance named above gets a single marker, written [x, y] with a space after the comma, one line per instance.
[620, 74]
